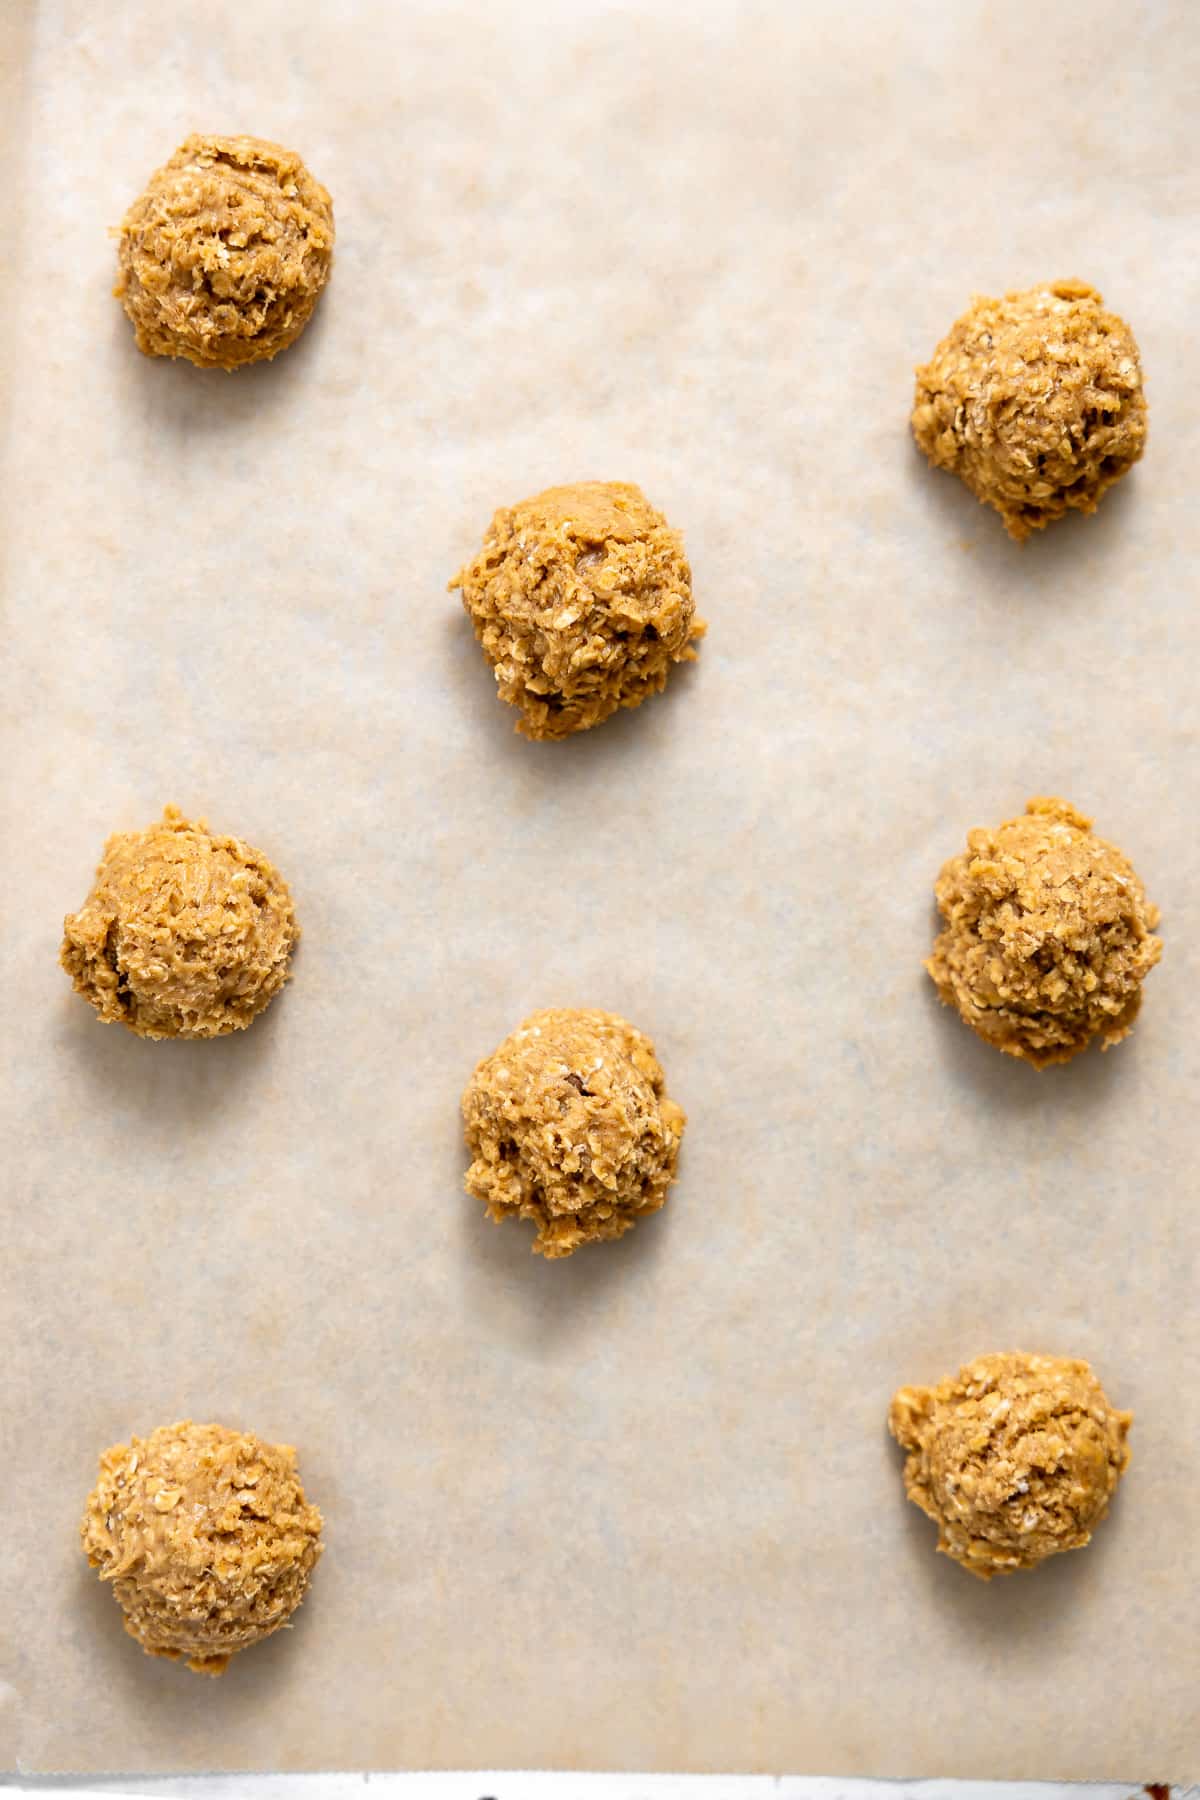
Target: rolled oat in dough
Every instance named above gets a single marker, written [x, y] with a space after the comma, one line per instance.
[569, 1125]
[1048, 936]
[1035, 402]
[207, 1539]
[185, 934]
[582, 600]
[223, 257]
[1015, 1458]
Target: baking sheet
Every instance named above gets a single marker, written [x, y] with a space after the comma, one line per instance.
[638, 1510]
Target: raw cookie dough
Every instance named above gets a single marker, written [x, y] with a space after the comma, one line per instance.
[184, 934]
[1035, 401]
[582, 601]
[206, 1537]
[1014, 1458]
[224, 256]
[1047, 937]
[569, 1125]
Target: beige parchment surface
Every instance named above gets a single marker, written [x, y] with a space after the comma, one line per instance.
[637, 1511]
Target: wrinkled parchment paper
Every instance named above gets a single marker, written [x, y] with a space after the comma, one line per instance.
[638, 1510]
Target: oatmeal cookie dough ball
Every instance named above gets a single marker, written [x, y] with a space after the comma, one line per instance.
[185, 933]
[207, 1538]
[1035, 401]
[582, 601]
[1014, 1458]
[224, 256]
[569, 1125]
[1048, 936]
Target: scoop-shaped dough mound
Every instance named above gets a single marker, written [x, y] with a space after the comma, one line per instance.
[206, 1537]
[582, 601]
[1047, 937]
[184, 934]
[224, 256]
[569, 1125]
[1035, 401]
[1014, 1458]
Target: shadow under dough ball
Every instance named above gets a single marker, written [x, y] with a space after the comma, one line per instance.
[1035, 402]
[1048, 936]
[582, 600]
[1015, 1458]
[207, 1539]
[569, 1124]
[185, 934]
[224, 256]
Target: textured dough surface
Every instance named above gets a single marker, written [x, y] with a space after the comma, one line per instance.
[1014, 1458]
[582, 600]
[1048, 935]
[207, 1539]
[185, 933]
[569, 1124]
[223, 257]
[1035, 401]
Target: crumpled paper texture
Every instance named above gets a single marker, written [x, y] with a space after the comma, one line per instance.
[638, 1510]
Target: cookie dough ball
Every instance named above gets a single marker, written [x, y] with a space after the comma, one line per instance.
[206, 1537]
[185, 933]
[224, 256]
[1014, 1458]
[1048, 936]
[582, 601]
[1035, 401]
[569, 1125]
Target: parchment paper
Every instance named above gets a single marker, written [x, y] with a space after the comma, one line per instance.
[638, 1510]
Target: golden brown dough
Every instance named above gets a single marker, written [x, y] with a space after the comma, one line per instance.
[582, 600]
[569, 1125]
[1035, 401]
[185, 933]
[224, 256]
[1047, 938]
[207, 1538]
[1014, 1458]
